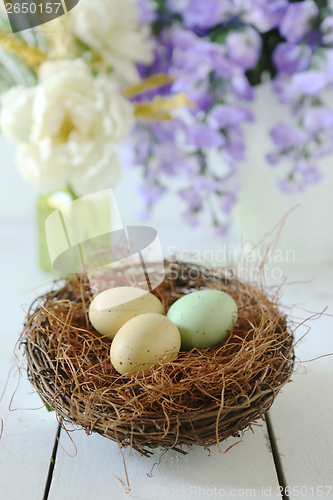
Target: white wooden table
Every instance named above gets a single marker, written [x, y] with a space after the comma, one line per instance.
[88, 467]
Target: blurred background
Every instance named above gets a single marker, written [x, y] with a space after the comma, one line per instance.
[210, 122]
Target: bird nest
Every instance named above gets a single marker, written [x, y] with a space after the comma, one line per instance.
[202, 397]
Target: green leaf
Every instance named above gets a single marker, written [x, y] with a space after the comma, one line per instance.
[219, 34]
[160, 3]
[4, 22]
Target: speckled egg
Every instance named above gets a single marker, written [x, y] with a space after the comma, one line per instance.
[203, 318]
[111, 309]
[142, 340]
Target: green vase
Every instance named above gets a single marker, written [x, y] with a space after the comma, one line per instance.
[46, 205]
[87, 219]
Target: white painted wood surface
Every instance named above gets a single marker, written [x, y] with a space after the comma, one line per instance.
[245, 470]
[302, 413]
[28, 435]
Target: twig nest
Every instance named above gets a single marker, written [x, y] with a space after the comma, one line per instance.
[202, 397]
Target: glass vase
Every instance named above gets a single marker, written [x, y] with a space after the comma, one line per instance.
[90, 218]
[46, 204]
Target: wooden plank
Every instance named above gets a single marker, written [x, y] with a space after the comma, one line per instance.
[28, 434]
[246, 470]
[25, 450]
[302, 414]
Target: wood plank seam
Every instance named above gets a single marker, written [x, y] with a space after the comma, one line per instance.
[276, 457]
[52, 464]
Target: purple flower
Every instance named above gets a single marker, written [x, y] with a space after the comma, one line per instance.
[139, 145]
[291, 58]
[202, 183]
[296, 23]
[312, 175]
[241, 86]
[309, 173]
[201, 136]
[167, 159]
[163, 54]
[178, 6]
[286, 136]
[301, 166]
[326, 28]
[201, 97]
[191, 198]
[199, 94]
[221, 229]
[234, 150]
[164, 157]
[324, 63]
[228, 115]
[164, 131]
[191, 218]
[322, 144]
[190, 165]
[191, 215]
[309, 82]
[194, 58]
[315, 119]
[288, 93]
[227, 202]
[150, 193]
[201, 14]
[147, 11]
[213, 76]
[244, 47]
[220, 62]
[191, 57]
[262, 14]
[273, 158]
[290, 186]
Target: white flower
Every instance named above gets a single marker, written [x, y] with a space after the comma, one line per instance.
[70, 128]
[113, 29]
[15, 113]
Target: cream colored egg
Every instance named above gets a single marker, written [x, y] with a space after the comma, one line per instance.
[111, 309]
[142, 340]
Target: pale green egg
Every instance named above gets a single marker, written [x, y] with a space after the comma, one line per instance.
[203, 318]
